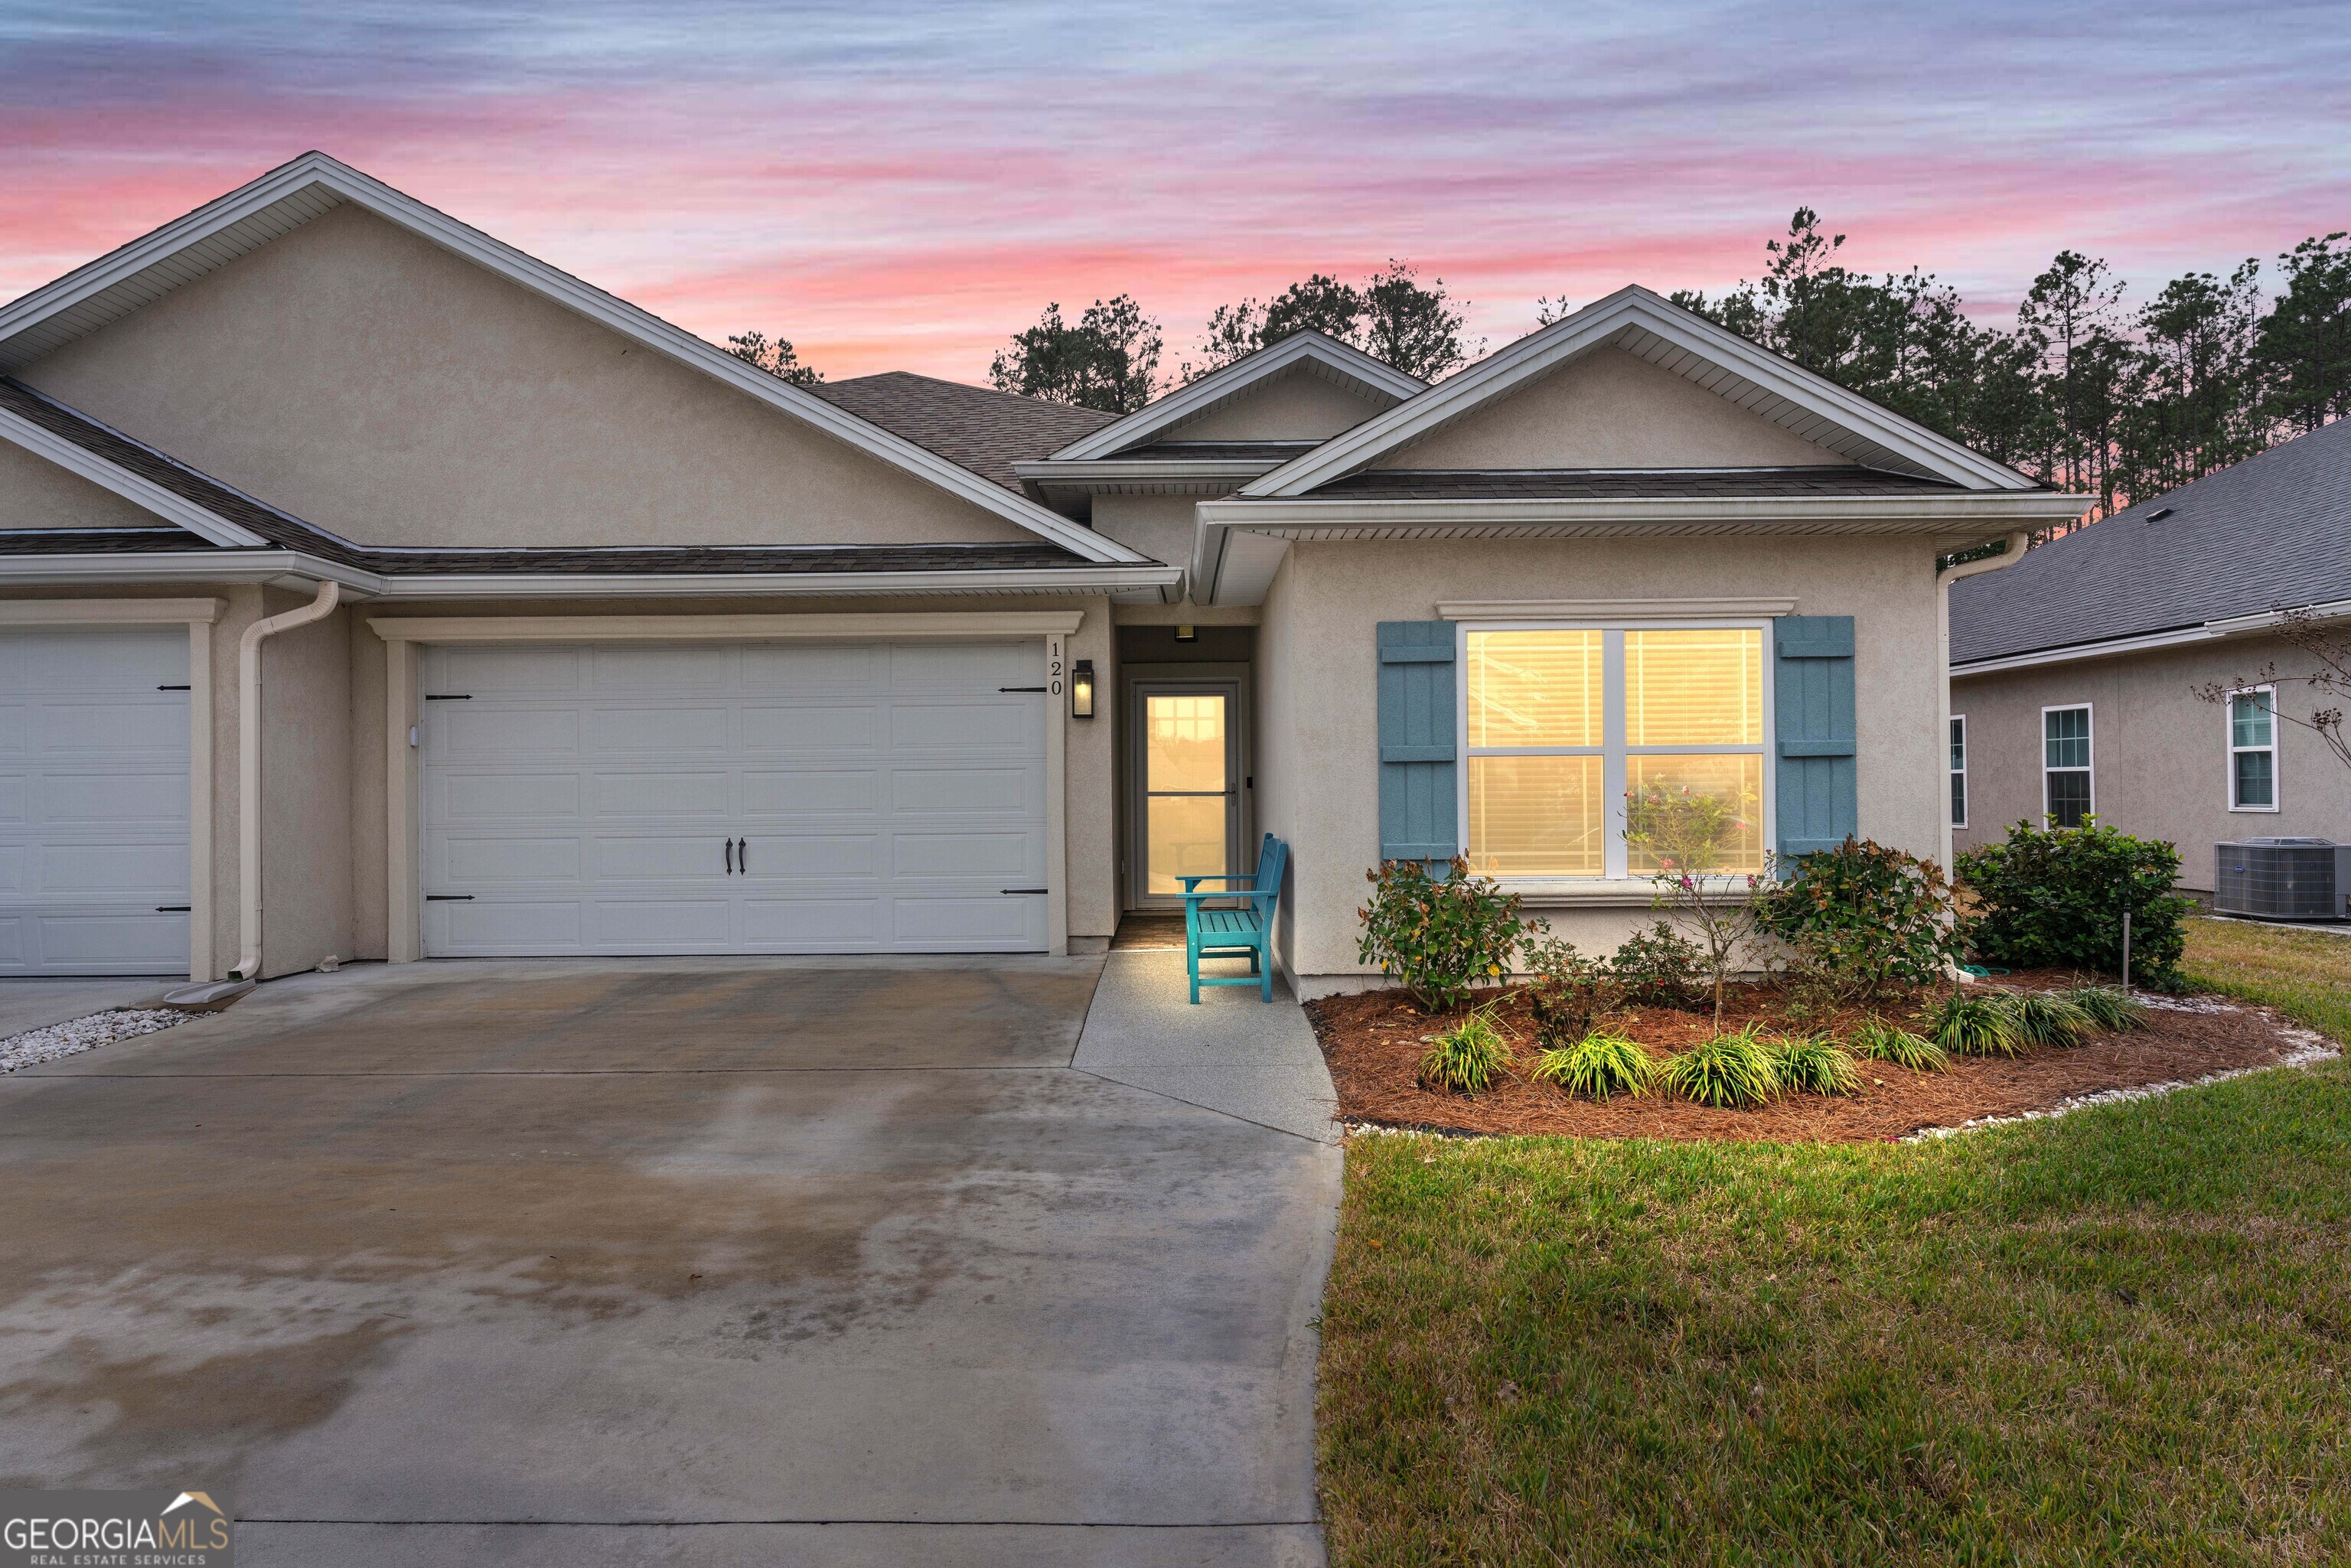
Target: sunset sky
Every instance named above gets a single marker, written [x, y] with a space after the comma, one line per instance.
[901, 187]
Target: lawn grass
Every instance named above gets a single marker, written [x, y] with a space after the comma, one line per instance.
[2120, 1337]
[2306, 975]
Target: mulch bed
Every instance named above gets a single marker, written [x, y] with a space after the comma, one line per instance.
[1373, 1044]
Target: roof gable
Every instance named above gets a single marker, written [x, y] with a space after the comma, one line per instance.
[1846, 427]
[125, 280]
[1352, 371]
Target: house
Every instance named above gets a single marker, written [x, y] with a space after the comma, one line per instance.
[368, 588]
[2075, 671]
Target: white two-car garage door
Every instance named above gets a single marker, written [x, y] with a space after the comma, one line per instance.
[94, 801]
[754, 798]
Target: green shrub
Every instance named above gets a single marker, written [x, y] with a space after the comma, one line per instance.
[1438, 937]
[1467, 1057]
[1814, 1066]
[2055, 898]
[1659, 967]
[1598, 1065]
[2049, 1017]
[1862, 917]
[1974, 1026]
[1729, 1071]
[1877, 1041]
[1567, 992]
[2109, 1006]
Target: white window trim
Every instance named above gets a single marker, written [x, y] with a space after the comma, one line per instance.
[1967, 795]
[2041, 740]
[1618, 881]
[2229, 746]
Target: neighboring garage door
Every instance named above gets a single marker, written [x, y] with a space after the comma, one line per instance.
[757, 797]
[94, 801]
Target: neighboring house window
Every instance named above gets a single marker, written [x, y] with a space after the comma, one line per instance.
[1559, 724]
[1958, 770]
[2065, 765]
[2252, 750]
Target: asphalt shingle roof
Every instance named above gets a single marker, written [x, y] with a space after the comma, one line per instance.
[286, 531]
[974, 427]
[1576, 484]
[2273, 532]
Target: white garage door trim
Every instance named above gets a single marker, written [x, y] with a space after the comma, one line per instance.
[403, 782]
[198, 615]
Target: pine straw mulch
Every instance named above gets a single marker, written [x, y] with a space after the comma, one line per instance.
[1373, 1043]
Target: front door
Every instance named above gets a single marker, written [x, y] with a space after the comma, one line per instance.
[1187, 771]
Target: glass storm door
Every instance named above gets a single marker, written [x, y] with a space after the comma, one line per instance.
[1188, 767]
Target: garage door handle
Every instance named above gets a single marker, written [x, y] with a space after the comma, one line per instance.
[448, 898]
[743, 856]
[1010, 890]
[173, 909]
[1020, 688]
[730, 855]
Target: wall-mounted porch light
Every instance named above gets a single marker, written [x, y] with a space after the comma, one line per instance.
[1081, 689]
[1187, 634]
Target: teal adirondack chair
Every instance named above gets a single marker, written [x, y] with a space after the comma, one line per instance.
[1244, 931]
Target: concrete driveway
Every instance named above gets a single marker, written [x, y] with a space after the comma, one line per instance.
[667, 1261]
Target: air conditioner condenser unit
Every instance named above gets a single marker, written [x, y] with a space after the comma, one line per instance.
[2283, 879]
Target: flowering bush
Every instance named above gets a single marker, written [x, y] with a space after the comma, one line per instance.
[1690, 833]
[1438, 937]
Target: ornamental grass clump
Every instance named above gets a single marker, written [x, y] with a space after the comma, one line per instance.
[1810, 1065]
[1728, 1071]
[1469, 1056]
[2109, 1006]
[1879, 1040]
[2049, 1017]
[1974, 1026]
[1598, 1066]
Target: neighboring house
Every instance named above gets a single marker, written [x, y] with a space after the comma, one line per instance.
[368, 588]
[2075, 671]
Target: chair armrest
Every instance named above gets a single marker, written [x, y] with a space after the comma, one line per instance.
[1192, 882]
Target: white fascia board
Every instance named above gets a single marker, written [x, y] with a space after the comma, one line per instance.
[1151, 583]
[550, 283]
[1115, 474]
[1594, 327]
[1340, 360]
[139, 491]
[2178, 637]
[1993, 511]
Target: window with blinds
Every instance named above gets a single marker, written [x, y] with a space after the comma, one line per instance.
[1560, 723]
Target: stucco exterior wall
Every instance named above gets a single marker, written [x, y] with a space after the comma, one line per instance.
[1609, 410]
[2159, 758]
[1158, 525]
[36, 493]
[1318, 784]
[383, 388]
[306, 790]
[1296, 406]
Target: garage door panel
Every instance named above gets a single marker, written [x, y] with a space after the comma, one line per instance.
[812, 791]
[136, 942]
[151, 723]
[466, 862]
[834, 925]
[661, 924]
[787, 728]
[883, 797]
[14, 861]
[498, 729]
[671, 794]
[461, 798]
[15, 798]
[113, 798]
[157, 869]
[479, 672]
[667, 729]
[1014, 791]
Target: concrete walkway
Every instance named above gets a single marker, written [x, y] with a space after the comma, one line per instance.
[36, 1004]
[821, 1261]
[1234, 1053]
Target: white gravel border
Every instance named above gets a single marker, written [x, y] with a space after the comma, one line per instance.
[75, 1036]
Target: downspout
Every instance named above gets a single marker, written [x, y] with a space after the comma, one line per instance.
[1950, 575]
[248, 770]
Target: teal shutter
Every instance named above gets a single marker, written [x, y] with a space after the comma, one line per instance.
[1419, 820]
[1813, 696]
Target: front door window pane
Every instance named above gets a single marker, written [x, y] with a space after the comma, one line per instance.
[1184, 743]
[1694, 688]
[1537, 816]
[1186, 838]
[1730, 786]
[1534, 688]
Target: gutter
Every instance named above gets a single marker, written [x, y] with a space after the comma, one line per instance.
[2179, 636]
[1950, 575]
[248, 770]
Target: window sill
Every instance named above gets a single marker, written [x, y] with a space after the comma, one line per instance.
[1595, 894]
